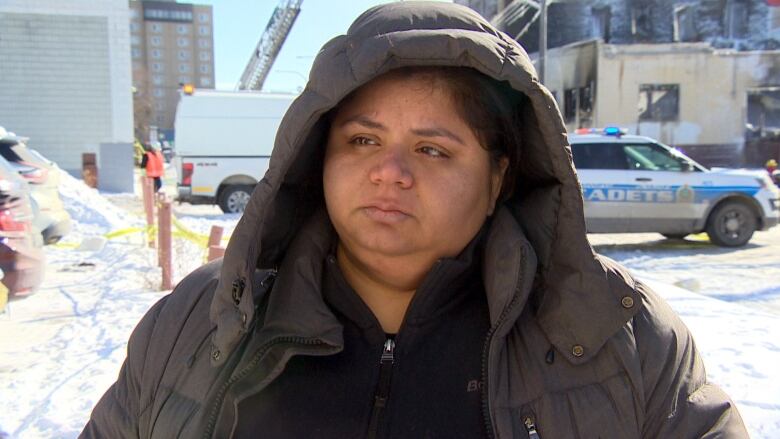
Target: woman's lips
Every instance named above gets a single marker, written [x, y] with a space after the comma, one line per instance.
[385, 214]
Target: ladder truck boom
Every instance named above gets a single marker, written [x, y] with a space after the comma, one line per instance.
[270, 44]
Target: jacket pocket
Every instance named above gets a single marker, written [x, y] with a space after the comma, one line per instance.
[606, 410]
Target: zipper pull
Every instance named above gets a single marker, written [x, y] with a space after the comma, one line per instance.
[530, 427]
[387, 353]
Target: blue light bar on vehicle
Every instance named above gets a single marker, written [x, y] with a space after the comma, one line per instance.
[615, 131]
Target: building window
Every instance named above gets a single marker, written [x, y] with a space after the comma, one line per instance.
[182, 29]
[167, 15]
[736, 19]
[135, 27]
[156, 54]
[156, 41]
[570, 96]
[205, 81]
[684, 23]
[204, 56]
[203, 30]
[182, 42]
[134, 13]
[185, 80]
[641, 24]
[601, 17]
[659, 102]
[160, 119]
[157, 67]
[158, 92]
[159, 106]
[156, 27]
[135, 40]
[204, 68]
[184, 55]
[157, 80]
[203, 43]
[203, 18]
[184, 68]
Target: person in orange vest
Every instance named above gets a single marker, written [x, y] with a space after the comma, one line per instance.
[153, 161]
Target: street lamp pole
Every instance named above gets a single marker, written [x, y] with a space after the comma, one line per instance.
[542, 40]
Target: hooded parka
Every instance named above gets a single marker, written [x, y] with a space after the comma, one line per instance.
[577, 347]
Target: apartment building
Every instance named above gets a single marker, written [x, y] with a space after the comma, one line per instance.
[171, 44]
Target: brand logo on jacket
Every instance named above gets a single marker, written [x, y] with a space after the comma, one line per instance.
[474, 386]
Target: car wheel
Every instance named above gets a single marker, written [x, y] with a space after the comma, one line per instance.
[675, 235]
[235, 198]
[731, 224]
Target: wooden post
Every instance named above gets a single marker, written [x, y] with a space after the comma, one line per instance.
[149, 203]
[215, 243]
[165, 241]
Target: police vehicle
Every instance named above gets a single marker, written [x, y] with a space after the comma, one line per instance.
[636, 184]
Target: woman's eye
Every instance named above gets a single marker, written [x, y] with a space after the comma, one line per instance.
[360, 140]
[433, 152]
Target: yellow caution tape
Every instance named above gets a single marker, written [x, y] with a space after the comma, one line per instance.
[181, 232]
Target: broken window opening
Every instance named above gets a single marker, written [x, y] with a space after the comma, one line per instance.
[600, 22]
[570, 104]
[684, 23]
[736, 19]
[659, 102]
[641, 27]
[585, 107]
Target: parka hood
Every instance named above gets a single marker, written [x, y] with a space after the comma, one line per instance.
[546, 210]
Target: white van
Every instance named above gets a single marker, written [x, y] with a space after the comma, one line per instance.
[223, 142]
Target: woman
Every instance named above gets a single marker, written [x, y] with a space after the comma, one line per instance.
[415, 264]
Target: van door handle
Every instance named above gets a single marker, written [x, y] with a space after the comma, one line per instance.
[643, 179]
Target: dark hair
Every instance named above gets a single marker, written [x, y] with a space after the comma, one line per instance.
[489, 107]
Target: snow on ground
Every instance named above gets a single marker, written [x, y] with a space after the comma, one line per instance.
[63, 347]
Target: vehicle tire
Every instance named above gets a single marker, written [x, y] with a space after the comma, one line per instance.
[731, 224]
[675, 235]
[234, 198]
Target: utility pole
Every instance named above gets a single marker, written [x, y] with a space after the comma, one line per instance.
[542, 39]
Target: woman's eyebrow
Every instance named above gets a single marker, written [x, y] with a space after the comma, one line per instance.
[438, 132]
[364, 120]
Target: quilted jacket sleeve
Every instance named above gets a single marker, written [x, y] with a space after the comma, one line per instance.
[117, 413]
[679, 402]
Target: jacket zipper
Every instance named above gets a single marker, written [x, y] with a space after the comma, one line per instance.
[530, 427]
[485, 353]
[220, 396]
[383, 389]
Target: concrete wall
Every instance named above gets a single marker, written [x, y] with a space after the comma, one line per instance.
[713, 89]
[65, 78]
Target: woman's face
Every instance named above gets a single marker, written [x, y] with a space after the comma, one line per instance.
[404, 175]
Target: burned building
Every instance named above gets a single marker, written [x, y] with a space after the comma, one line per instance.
[702, 75]
[733, 24]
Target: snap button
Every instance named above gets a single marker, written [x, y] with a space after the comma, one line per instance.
[243, 318]
[627, 302]
[216, 354]
[577, 350]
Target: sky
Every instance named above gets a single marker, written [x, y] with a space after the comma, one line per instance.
[238, 25]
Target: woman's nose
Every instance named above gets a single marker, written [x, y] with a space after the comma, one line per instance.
[391, 168]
